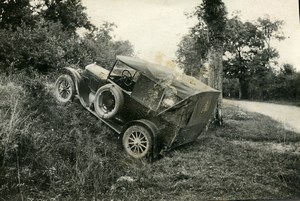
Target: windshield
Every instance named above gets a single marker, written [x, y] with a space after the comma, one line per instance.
[120, 67]
[124, 76]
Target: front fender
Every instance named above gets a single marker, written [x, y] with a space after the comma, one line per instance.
[75, 76]
[81, 86]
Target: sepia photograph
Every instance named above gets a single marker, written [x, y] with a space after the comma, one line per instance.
[149, 100]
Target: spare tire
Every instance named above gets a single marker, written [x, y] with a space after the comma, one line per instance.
[108, 101]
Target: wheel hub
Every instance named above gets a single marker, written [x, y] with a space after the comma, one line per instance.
[137, 142]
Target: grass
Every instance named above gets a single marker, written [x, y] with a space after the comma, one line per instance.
[243, 125]
[61, 152]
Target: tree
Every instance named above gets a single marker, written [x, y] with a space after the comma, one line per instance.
[271, 30]
[15, 12]
[70, 13]
[102, 47]
[213, 14]
[46, 47]
[189, 55]
[288, 81]
[287, 69]
[244, 44]
[251, 56]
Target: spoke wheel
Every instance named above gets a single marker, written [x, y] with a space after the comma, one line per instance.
[137, 141]
[64, 88]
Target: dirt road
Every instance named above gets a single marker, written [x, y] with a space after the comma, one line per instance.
[286, 114]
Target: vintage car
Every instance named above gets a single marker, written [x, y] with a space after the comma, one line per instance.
[152, 107]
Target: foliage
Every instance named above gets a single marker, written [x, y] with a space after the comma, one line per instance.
[272, 85]
[189, 56]
[42, 36]
[214, 15]
[46, 47]
[249, 50]
[70, 13]
[244, 45]
[101, 47]
[15, 12]
[43, 47]
[249, 59]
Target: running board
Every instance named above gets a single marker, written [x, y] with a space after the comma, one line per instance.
[110, 122]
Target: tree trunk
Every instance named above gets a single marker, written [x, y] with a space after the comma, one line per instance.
[215, 79]
[240, 92]
[243, 89]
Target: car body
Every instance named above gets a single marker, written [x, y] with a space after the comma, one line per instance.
[151, 106]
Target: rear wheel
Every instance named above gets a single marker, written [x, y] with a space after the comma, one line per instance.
[64, 89]
[137, 141]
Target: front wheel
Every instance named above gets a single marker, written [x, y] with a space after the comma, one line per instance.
[64, 89]
[137, 141]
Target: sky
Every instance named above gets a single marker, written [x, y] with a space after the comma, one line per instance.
[155, 27]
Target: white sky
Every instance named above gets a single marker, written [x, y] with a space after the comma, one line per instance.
[155, 27]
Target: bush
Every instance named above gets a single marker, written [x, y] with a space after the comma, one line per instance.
[46, 47]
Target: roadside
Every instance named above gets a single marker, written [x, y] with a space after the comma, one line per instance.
[61, 152]
[288, 115]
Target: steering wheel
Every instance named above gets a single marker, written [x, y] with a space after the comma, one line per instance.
[127, 77]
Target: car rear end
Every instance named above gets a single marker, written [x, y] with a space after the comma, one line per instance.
[188, 119]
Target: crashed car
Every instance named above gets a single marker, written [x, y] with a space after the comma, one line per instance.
[152, 107]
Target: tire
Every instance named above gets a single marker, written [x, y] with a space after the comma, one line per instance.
[108, 101]
[64, 90]
[137, 141]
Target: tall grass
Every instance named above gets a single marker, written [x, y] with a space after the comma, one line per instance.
[60, 150]
[11, 127]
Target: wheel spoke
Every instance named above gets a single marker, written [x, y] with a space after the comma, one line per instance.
[66, 83]
[134, 134]
[141, 148]
[62, 93]
[139, 135]
[142, 137]
[132, 137]
[141, 145]
[135, 149]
